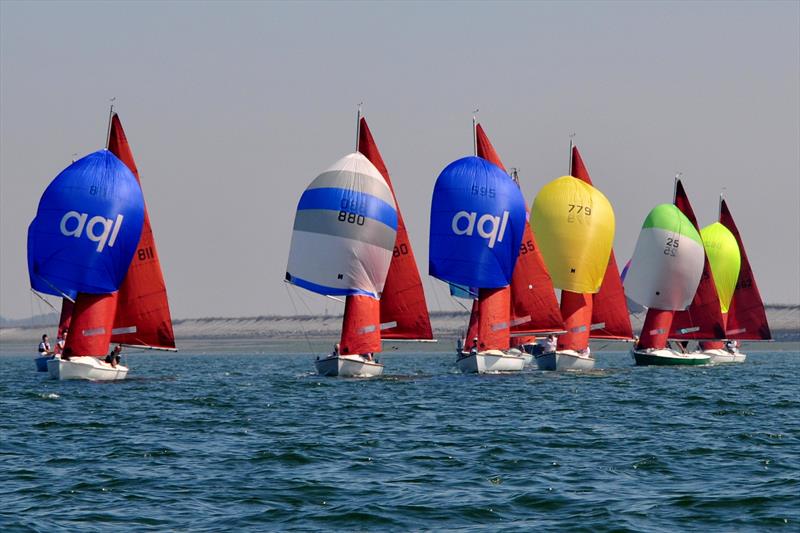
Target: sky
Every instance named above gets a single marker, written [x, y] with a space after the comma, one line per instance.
[233, 108]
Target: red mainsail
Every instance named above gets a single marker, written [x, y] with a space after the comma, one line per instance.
[361, 326]
[703, 318]
[493, 327]
[65, 319]
[403, 310]
[142, 316]
[91, 324]
[747, 319]
[609, 309]
[532, 301]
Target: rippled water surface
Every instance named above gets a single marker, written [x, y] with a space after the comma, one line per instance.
[205, 442]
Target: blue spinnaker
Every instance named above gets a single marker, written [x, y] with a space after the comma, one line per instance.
[477, 220]
[86, 229]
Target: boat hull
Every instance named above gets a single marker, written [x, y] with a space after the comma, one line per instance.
[665, 357]
[564, 360]
[348, 366]
[89, 368]
[724, 356]
[41, 362]
[490, 362]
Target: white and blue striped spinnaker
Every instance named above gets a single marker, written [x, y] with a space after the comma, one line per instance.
[344, 231]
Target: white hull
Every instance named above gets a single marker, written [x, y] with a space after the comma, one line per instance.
[667, 357]
[564, 360]
[526, 357]
[490, 361]
[724, 356]
[90, 368]
[348, 366]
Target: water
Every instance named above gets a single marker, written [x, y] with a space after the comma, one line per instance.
[198, 442]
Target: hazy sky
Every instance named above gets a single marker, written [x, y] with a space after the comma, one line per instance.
[233, 108]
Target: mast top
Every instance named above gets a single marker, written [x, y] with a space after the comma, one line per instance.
[110, 116]
[475, 132]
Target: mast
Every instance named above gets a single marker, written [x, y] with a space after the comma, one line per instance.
[358, 124]
[571, 145]
[474, 133]
[675, 186]
[110, 116]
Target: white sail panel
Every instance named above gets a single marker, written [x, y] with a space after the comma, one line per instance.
[344, 231]
[667, 262]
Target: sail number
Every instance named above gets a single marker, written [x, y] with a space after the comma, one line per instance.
[526, 247]
[145, 253]
[352, 210]
[400, 250]
[489, 192]
[351, 218]
[577, 209]
[671, 246]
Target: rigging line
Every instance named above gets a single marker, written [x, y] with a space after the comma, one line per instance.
[44, 300]
[302, 326]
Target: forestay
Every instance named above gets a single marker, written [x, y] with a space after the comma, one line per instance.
[667, 262]
[477, 220]
[86, 228]
[344, 231]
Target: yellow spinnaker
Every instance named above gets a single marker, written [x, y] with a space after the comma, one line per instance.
[723, 255]
[574, 227]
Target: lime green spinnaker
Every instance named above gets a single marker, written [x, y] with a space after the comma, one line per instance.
[723, 255]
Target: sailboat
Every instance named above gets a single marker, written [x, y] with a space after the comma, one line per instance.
[664, 275]
[80, 245]
[478, 219]
[533, 305]
[742, 308]
[136, 315]
[574, 224]
[345, 232]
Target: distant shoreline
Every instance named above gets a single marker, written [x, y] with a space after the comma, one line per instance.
[784, 322]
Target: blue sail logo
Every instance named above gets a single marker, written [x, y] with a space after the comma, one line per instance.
[110, 228]
[496, 225]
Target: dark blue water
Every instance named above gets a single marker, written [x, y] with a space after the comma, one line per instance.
[199, 442]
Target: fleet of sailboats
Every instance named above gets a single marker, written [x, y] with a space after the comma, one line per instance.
[91, 244]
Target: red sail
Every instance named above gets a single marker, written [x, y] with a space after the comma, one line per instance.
[403, 310]
[534, 307]
[65, 319]
[610, 318]
[361, 326]
[142, 316]
[576, 308]
[493, 326]
[655, 330]
[747, 319]
[92, 321]
[703, 318]
[472, 329]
